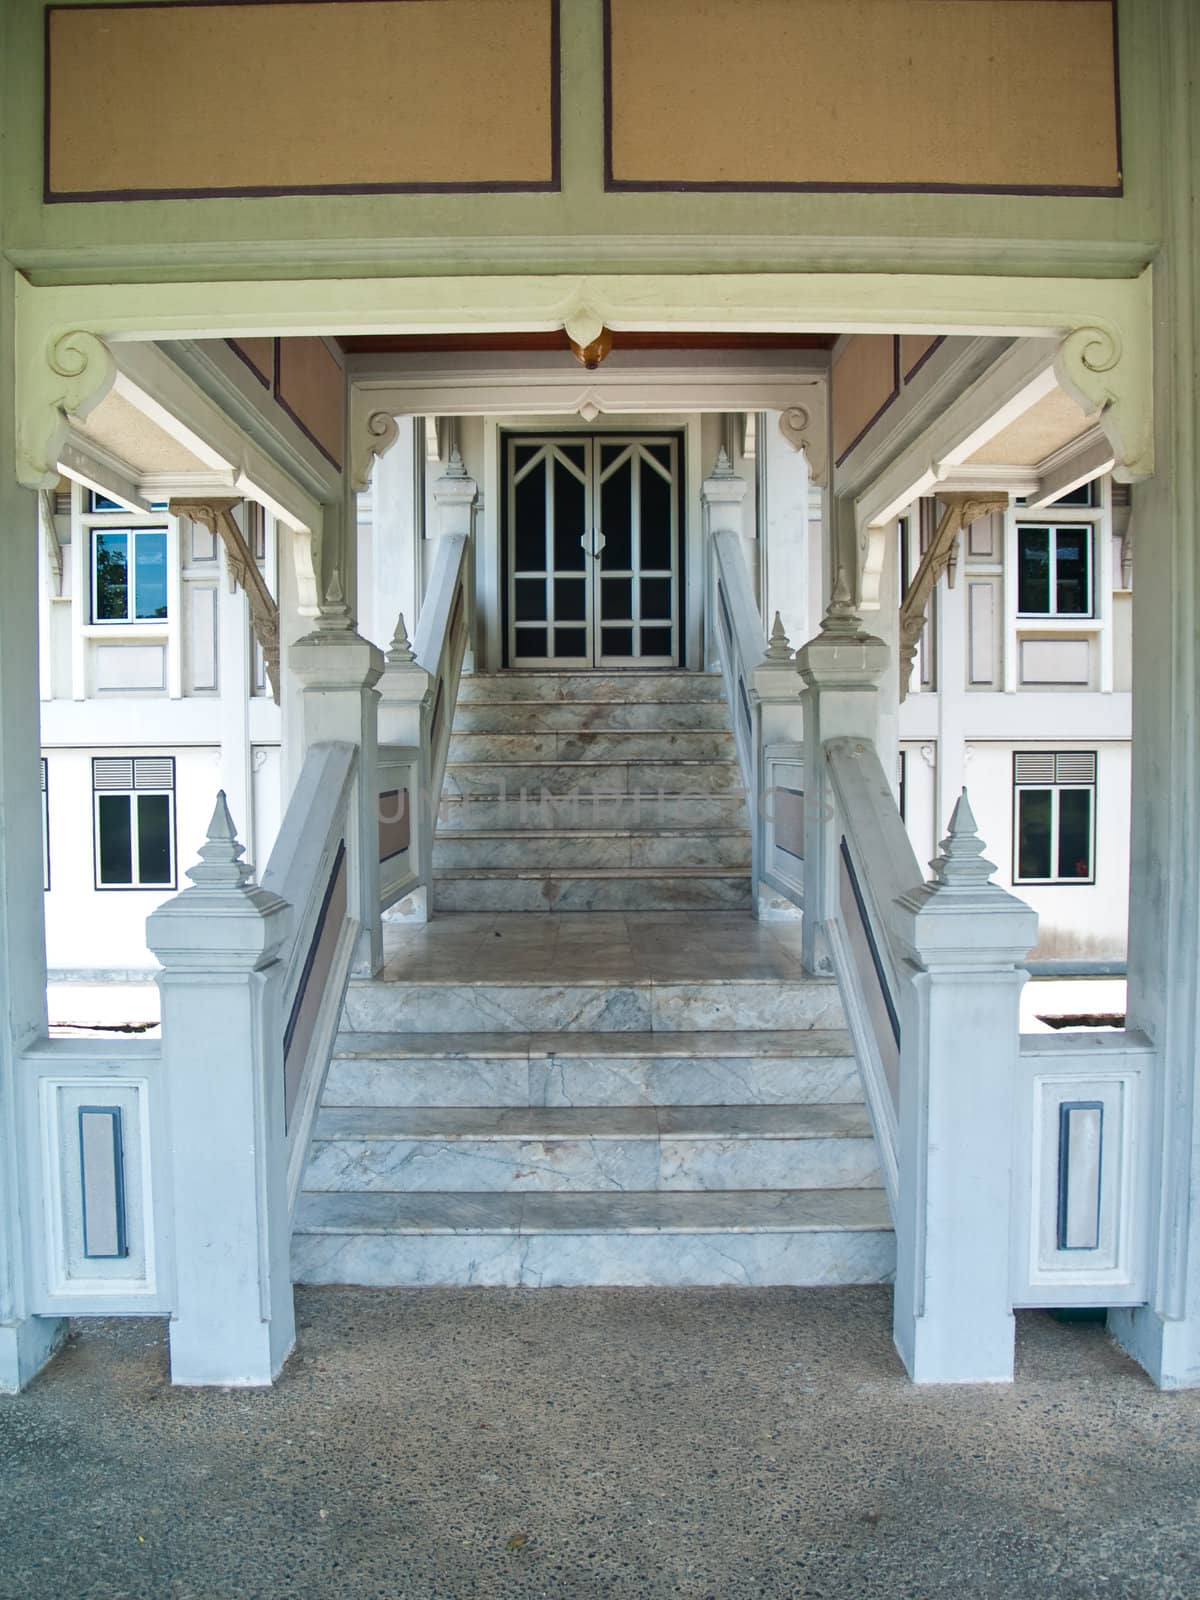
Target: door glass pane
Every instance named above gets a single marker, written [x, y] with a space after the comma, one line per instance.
[616, 519]
[529, 517]
[576, 454]
[570, 642]
[1033, 570]
[111, 600]
[116, 846]
[656, 599]
[523, 454]
[1075, 833]
[570, 599]
[530, 642]
[530, 602]
[1071, 572]
[661, 454]
[616, 599]
[656, 520]
[1033, 833]
[150, 573]
[570, 520]
[656, 642]
[616, 641]
[154, 838]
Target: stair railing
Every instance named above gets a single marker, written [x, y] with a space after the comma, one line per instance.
[1016, 1167]
[763, 696]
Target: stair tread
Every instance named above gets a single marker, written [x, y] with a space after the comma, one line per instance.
[591, 872]
[586, 1211]
[501, 1124]
[719, 831]
[749, 1042]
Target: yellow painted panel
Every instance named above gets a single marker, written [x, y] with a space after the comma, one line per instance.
[315, 95]
[312, 386]
[862, 383]
[956, 94]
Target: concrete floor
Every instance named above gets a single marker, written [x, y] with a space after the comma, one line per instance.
[597, 1445]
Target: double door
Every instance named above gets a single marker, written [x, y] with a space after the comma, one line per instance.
[593, 539]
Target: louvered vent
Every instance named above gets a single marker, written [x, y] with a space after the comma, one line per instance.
[139, 772]
[1064, 767]
[1034, 767]
[1075, 766]
[43, 766]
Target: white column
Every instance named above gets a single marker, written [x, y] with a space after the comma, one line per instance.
[784, 519]
[841, 669]
[454, 496]
[26, 1341]
[233, 1321]
[950, 774]
[404, 706]
[952, 1315]
[1164, 926]
[233, 679]
[721, 497]
[338, 671]
[395, 535]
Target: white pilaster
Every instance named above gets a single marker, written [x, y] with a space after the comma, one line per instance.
[454, 495]
[223, 1057]
[784, 519]
[952, 1317]
[721, 497]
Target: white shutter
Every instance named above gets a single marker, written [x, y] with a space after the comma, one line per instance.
[112, 772]
[154, 772]
[1034, 767]
[1076, 766]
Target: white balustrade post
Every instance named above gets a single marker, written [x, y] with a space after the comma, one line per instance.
[233, 1321]
[455, 494]
[952, 1318]
[338, 670]
[721, 496]
[841, 669]
[404, 707]
[781, 726]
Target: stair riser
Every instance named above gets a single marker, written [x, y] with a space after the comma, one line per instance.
[522, 1166]
[574, 811]
[617, 686]
[591, 894]
[646, 850]
[566, 716]
[563, 747]
[594, 784]
[602, 1081]
[666, 1260]
[615, 1008]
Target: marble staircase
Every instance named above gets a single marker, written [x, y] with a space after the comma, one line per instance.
[628, 1098]
[615, 791]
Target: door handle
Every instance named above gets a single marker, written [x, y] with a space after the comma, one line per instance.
[598, 541]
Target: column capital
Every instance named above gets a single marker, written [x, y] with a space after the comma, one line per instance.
[843, 655]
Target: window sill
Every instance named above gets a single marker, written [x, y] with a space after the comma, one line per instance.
[1069, 624]
[126, 630]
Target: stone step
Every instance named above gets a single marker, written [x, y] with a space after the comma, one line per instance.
[581, 848]
[592, 781]
[763, 1067]
[520, 715]
[620, 686]
[797, 1238]
[598, 1005]
[538, 889]
[590, 746]
[470, 813]
[519, 1148]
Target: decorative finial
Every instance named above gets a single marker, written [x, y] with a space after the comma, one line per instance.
[840, 616]
[455, 467]
[779, 649]
[724, 467]
[333, 614]
[220, 865]
[334, 595]
[960, 862]
[400, 650]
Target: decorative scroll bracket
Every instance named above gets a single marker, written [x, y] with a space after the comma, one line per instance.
[72, 377]
[960, 510]
[805, 426]
[217, 516]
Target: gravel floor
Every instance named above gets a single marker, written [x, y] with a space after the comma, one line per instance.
[503, 1444]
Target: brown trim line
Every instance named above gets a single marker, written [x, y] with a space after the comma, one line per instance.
[891, 399]
[246, 361]
[658, 186]
[277, 392]
[921, 360]
[52, 197]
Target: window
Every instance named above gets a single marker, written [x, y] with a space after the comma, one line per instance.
[45, 828]
[1054, 571]
[1055, 825]
[129, 574]
[134, 821]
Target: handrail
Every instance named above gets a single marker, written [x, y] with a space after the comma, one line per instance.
[310, 869]
[743, 647]
[440, 647]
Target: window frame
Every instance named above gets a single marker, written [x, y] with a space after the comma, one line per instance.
[45, 823]
[1054, 527]
[131, 794]
[132, 532]
[1055, 789]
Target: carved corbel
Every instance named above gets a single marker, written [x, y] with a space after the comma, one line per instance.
[216, 514]
[959, 511]
[374, 435]
[1106, 374]
[805, 426]
[69, 379]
